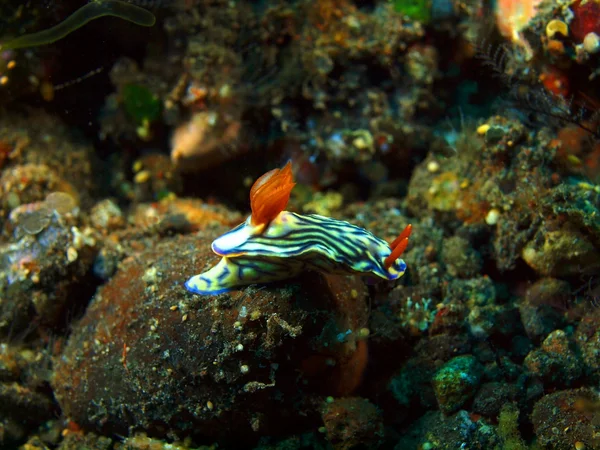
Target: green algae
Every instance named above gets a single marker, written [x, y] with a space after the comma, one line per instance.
[141, 104]
[415, 9]
[508, 428]
[79, 18]
[456, 382]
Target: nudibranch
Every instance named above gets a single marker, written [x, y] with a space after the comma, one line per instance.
[273, 244]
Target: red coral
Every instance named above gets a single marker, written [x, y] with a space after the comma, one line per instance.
[586, 18]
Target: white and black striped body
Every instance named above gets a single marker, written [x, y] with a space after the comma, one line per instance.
[290, 244]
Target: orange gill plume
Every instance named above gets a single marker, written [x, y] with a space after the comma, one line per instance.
[270, 194]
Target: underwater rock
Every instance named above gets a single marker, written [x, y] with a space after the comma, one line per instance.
[460, 258]
[23, 411]
[460, 430]
[539, 322]
[41, 275]
[473, 292]
[492, 396]
[587, 340]
[75, 439]
[26, 403]
[32, 218]
[449, 320]
[485, 321]
[107, 216]
[555, 362]
[351, 422]
[456, 382]
[563, 419]
[45, 157]
[183, 215]
[443, 194]
[579, 206]
[412, 384]
[562, 253]
[541, 309]
[29, 183]
[147, 223]
[107, 260]
[472, 303]
[150, 355]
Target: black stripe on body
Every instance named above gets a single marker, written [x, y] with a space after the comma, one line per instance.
[326, 244]
[260, 269]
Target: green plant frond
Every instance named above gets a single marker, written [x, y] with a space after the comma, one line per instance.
[79, 18]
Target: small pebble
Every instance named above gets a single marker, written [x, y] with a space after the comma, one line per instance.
[433, 166]
[591, 42]
[492, 216]
[35, 221]
[71, 254]
[61, 202]
[141, 177]
[482, 129]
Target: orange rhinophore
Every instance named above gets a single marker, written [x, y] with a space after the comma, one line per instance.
[270, 194]
[398, 246]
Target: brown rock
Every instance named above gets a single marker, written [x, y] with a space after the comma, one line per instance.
[148, 354]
